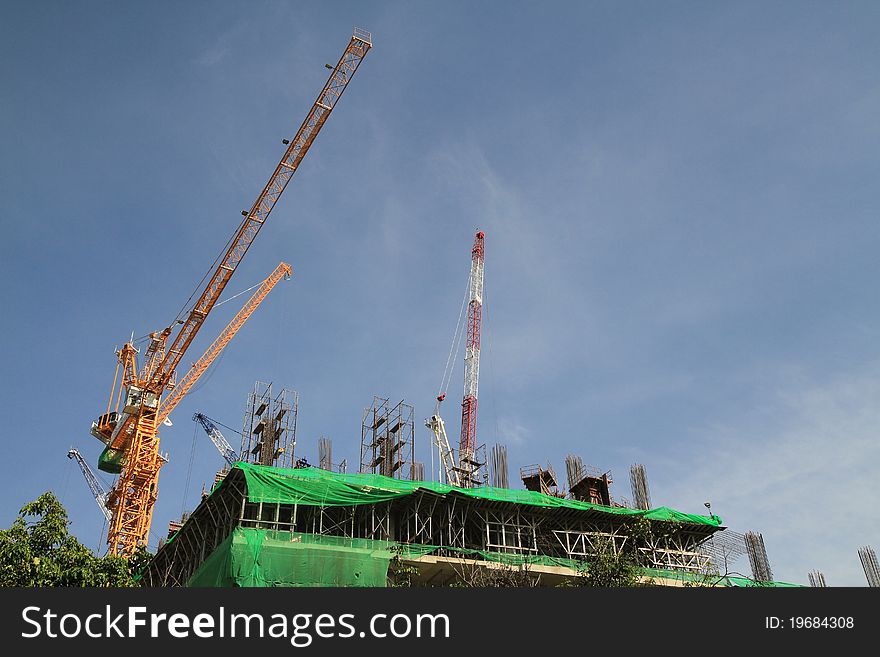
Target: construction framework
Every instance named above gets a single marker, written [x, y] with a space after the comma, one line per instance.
[387, 439]
[453, 522]
[268, 435]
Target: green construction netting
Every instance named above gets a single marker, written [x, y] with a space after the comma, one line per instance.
[262, 558]
[315, 487]
[258, 557]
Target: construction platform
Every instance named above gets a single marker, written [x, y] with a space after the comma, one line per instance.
[266, 526]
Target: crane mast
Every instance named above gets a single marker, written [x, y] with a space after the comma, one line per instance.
[131, 436]
[92, 481]
[229, 455]
[468, 438]
[129, 493]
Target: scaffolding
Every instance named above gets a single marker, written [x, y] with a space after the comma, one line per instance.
[387, 439]
[539, 479]
[268, 435]
[472, 468]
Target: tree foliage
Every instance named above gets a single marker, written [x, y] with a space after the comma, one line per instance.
[609, 566]
[38, 550]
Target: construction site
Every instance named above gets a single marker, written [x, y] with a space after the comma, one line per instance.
[272, 518]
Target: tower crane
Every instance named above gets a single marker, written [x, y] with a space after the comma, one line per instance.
[229, 455]
[465, 472]
[468, 439]
[93, 482]
[189, 379]
[131, 436]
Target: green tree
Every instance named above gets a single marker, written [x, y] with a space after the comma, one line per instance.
[38, 550]
[608, 567]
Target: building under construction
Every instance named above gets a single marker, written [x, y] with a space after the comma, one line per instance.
[273, 520]
[269, 526]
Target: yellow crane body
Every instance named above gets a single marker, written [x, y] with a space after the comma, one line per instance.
[130, 429]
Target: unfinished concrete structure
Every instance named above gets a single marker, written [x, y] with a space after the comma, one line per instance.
[817, 579]
[638, 479]
[498, 460]
[356, 523]
[758, 557]
[869, 563]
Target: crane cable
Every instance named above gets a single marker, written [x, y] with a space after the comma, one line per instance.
[210, 269]
[146, 336]
[192, 456]
[454, 347]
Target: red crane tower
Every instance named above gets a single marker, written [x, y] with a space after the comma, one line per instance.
[468, 441]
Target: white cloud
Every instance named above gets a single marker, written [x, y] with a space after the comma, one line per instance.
[802, 471]
[212, 56]
[511, 431]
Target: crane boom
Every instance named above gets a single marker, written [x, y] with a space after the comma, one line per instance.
[256, 217]
[93, 482]
[438, 428]
[199, 367]
[219, 440]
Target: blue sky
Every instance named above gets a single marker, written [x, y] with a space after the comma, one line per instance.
[679, 201]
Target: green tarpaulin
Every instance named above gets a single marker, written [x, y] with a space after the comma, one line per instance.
[259, 557]
[315, 487]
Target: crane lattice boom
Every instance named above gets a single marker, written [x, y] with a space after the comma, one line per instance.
[283, 270]
[441, 440]
[92, 481]
[219, 440]
[256, 217]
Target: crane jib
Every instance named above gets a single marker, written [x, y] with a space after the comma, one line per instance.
[262, 207]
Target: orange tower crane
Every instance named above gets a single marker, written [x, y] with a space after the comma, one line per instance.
[131, 435]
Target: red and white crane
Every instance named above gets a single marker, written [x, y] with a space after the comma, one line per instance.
[467, 470]
[468, 440]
